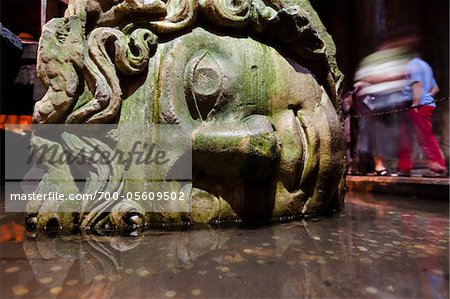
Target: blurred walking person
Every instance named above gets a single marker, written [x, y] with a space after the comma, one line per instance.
[421, 88]
[380, 80]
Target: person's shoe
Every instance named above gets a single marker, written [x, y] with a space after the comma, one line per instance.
[436, 174]
[383, 172]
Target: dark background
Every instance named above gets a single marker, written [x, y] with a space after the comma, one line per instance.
[356, 26]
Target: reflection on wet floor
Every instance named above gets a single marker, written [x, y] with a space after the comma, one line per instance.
[379, 247]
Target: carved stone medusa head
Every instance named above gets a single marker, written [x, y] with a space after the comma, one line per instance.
[254, 80]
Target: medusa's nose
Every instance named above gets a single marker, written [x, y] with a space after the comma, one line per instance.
[237, 149]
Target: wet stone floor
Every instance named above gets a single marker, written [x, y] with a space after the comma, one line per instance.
[378, 247]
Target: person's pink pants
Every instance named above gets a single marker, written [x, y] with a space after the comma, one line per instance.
[420, 123]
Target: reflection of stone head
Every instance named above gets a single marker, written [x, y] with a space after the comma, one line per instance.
[96, 263]
[257, 82]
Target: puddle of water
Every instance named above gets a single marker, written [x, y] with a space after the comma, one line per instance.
[378, 247]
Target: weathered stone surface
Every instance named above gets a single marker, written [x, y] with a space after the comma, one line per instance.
[256, 81]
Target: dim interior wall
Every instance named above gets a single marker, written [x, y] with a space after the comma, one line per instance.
[21, 16]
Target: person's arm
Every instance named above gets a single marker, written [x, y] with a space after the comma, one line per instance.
[435, 90]
[360, 84]
[384, 78]
[416, 93]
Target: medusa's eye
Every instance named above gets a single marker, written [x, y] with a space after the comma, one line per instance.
[203, 81]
